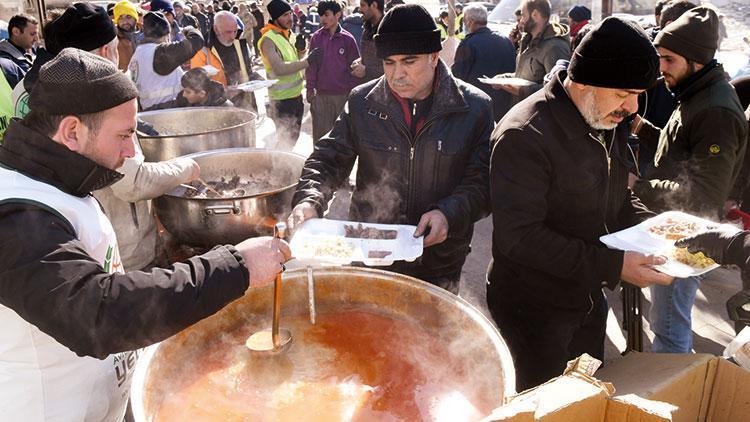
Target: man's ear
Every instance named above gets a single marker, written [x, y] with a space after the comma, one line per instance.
[69, 133]
[435, 57]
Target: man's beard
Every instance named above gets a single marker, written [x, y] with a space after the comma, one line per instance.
[590, 112]
[529, 26]
[226, 44]
[129, 28]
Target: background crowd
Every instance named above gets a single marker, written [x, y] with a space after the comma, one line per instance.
[562, 130]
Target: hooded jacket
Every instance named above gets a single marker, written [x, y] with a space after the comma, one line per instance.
[10, 51]
[401, 176]
[700, 151]
[556, 186]
[537, 56]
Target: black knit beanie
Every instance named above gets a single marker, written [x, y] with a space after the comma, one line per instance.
[82, 25]
[694, 35]
[579, 13]
[276, 8]
[77, 82]
[407, 29]
[155, 25]
[617, 53]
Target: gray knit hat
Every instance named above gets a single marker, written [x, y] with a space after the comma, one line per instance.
[694, 35]
[77, 82]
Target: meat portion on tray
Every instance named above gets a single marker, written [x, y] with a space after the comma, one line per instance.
[361, 232]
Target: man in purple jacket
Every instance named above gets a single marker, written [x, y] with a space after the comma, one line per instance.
[329, 82]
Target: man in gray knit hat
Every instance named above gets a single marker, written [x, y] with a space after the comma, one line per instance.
[699, 154]
[70, 314]
[422, 139]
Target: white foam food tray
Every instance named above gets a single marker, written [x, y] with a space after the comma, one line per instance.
[256, 85]
[647, 238]
[323, 241]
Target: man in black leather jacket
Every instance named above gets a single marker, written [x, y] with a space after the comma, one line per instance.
[422, 139]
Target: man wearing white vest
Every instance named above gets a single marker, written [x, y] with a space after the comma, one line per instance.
[281, 61]
[155, 65]
[72, 320]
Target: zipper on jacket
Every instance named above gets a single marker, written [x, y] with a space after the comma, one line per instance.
[412, 153]
[609, 165]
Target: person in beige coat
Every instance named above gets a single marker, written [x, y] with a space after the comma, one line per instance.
[127, 203]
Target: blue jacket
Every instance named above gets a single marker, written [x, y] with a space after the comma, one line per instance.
[486, 53]
[13, 73]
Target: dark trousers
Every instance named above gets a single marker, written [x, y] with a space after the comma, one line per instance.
[542, 340]
[325, 109]
[256, 38]
[287, 116]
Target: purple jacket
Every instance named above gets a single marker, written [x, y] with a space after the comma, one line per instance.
[332, 76]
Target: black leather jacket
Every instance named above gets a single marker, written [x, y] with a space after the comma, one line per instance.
[400, 176]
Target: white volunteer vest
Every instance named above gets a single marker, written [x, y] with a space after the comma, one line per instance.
[40, 379]
[152, 87]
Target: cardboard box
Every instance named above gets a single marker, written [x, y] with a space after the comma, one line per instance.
[565, 398]
[702, 387]
[578, 396]
[648, 387]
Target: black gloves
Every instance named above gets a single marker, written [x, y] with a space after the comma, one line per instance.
[300, 43]
[738, 308]
[314, 56]
[722, 247]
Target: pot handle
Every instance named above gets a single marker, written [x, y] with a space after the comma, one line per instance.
[221, 210]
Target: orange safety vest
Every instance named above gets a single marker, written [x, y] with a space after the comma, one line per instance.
[207, 57]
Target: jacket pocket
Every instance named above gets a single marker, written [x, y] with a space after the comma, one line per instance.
[378, 146]
[447, 160]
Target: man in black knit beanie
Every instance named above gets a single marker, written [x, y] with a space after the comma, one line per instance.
[559, 177]
[422, 139]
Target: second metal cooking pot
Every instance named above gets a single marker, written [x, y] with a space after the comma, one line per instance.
[187, 130]
[212, 221]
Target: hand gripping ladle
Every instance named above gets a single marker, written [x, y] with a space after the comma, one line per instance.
[275, 340]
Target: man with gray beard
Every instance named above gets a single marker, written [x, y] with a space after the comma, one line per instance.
[558, 181]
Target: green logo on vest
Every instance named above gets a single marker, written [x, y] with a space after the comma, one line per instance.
[108, 259]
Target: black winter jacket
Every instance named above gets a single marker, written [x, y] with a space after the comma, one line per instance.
[50, 281]
[700, 151]
[555, 189]
[473, 62]
[400, 177]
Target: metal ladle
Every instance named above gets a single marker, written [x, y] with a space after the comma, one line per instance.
[275, 340]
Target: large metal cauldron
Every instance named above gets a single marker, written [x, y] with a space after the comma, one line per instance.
[445, 362]
[208, 222]
[193, 129]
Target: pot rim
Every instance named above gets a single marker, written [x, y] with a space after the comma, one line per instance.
[207, 109]
[234, 151]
